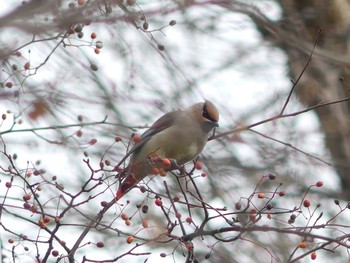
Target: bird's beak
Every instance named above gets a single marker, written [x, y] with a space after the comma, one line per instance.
[215, 124]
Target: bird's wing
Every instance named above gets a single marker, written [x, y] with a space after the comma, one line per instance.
[159, 125]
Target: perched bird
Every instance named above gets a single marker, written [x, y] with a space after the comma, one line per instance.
[177, 135]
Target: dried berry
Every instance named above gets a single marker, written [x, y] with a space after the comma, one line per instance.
[144, 209]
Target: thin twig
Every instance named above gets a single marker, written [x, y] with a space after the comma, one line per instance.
[295, 83]
[277, 117]
[174, 207]
[290, 146]
[87, 229]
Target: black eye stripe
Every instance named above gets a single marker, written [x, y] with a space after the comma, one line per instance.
[206, 114]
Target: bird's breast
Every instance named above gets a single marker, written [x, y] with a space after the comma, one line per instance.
[175, 143]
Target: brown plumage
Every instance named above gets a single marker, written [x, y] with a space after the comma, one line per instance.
[177, 135]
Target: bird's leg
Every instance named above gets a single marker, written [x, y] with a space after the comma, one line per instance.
[182, 170]
[174, 165]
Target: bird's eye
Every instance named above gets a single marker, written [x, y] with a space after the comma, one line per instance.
[210, 113]
[205, 113]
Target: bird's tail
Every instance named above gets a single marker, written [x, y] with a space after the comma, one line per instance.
[125, 186]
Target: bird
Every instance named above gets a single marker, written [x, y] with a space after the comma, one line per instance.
[179, 136]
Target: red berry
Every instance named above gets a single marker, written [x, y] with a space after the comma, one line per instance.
[92, 141]
[155, 170]
[162, 172]
[54, 253]
[203, 174]
[11, 241]
[9, 84]
[178, 215]
[46, 219]
[261, 195]
[189, 246]
[93, 35]
[319, 184]
[3, 117]
[252, 217]
[166, 162]
[145, 223]
[189, 220]
[306, 203]
[27, 197]
[158, 202]
[117, 139]
[303, 244]
[41, 223]
[27, 66]
[124, 216]
[130, 239]
[198, 165]
[238, 206]
[34, 209]
[282, 193]
[8, 184]
[136, 138]
[81, 2]
[97, 50]
[313, 255]
[79, 133]
[100, 244]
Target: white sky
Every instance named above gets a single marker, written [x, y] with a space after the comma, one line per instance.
[238, 88]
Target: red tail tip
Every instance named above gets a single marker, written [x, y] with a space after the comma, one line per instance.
[128, 183]
[119, 194]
